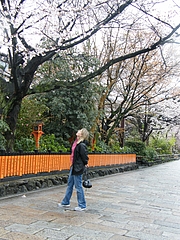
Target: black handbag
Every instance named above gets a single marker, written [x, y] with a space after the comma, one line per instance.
[86, 182]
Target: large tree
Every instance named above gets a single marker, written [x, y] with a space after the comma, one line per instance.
[66, 25]
[127, 86]
[69, 109]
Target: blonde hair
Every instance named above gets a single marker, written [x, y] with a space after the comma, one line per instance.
[85, 133]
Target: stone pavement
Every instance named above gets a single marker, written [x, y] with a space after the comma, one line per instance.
[141, 204]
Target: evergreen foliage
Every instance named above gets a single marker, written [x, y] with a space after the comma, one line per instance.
[137, 147]
[3, 128]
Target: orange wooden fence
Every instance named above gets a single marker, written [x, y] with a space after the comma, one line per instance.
[18, 165]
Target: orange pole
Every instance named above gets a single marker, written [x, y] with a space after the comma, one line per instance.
[37, 136]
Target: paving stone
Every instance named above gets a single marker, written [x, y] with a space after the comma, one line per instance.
[21, 236]
[171, 235]
[45, 224]
[3, 231]
[105, 229]
[53, 234]
[23, 228]
[174, 225]
[145, 236]
[119, 237]
[83, 233]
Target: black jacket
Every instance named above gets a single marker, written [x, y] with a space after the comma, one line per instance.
[80, 158]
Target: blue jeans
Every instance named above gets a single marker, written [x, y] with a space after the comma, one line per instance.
[77, 181]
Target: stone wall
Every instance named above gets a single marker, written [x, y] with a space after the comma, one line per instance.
[142, 161]
[9, 187]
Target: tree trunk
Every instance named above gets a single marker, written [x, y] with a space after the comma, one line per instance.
[11, 119]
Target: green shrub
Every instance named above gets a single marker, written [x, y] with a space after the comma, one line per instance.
[102, 147]
[25, 144]
[49, 142]
[150, 153]
[3, 128]
[162, 145]
[137, 147]
[126, 149]
[2, 142]
[115, 147]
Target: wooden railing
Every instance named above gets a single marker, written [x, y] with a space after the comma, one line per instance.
[22, 164]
